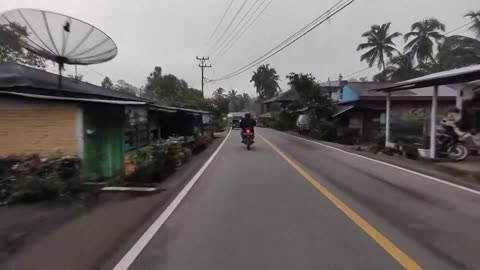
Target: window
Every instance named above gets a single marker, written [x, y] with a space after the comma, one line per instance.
[383, 118]
[136, 131]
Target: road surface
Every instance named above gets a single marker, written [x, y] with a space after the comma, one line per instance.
[294, 204]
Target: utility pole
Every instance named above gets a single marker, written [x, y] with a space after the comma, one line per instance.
[202, 65]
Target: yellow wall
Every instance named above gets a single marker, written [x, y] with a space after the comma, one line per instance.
[38, 130]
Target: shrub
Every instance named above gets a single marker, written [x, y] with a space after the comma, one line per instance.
[388, 151]
[348, 136]
[375, 149]
[284, 120]
[31, 178]
[150, 163]
[410, 151]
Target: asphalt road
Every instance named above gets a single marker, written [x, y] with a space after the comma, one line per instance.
[314, 208]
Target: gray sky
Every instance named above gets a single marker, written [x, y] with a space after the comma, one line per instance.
[171, 33]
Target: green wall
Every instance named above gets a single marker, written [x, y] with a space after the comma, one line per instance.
[103, 148]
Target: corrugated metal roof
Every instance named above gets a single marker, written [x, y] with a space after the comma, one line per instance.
[343, 109]
[30, 79]
[107, 101]
[454, 76]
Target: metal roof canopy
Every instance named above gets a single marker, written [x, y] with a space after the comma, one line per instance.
[449, 77]
[460, 75]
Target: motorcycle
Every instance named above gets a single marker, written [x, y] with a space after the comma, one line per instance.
[248, 138]
[450, 144]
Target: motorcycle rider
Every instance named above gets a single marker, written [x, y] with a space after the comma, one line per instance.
[247, 122]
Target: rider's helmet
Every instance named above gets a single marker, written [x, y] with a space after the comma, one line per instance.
[248, 115]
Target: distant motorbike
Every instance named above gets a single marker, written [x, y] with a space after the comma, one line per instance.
[248, 138]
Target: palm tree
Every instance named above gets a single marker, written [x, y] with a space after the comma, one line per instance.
[400, 68]
[219, 93]
[265, 80]
[475, 17]
[424, 34]
[455, 52]
[379, 44]
[232, 94]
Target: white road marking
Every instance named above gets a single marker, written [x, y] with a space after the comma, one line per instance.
[390, 165]
[132, 254]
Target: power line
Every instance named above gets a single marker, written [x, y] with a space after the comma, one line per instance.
[236, 27]
[357, 72]
[458, 28]
[229, 25]
[221, 20]
[285, 44]
[286, 41]
[244, 29]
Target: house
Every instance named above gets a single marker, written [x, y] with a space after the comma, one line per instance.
[364, 110]
[96, 124]
[283, 99]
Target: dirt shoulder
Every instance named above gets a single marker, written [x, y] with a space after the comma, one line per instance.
[98, 237]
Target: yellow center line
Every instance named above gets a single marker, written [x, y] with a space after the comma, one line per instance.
[386, 244]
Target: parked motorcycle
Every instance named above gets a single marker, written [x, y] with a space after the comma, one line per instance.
[450, 144]
[248, 138]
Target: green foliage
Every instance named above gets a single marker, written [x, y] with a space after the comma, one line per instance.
[107, 83]
[388, 151]
[399, 68]
[172, 91]
[151, 162]
[78, 77]
[311, 95]
[424, 33]
[379, 45]
[30, 178]
[348, 136]
[283, 120]
[475, 17]
[324, 130]
[124, 87]
[410, 151]
[265, 80]
[11, 49]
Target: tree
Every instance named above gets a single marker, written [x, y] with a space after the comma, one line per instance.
[379, 44]
[312, 96]
[11, 49]
[107, 83]
[124, 87]
[400, 68]
[172, 91]
[232, 94]
[219, 92]
[454, 52]
[424, 34]
[78, 77]
[245, 101]
[265, 80]
[475, 17]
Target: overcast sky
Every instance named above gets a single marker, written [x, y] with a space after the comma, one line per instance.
[171, 33]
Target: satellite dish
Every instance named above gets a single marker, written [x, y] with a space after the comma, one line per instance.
[60, 38]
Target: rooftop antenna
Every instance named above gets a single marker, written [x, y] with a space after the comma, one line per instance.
[60, 38]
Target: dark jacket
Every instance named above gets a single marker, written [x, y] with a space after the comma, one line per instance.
[247, 123]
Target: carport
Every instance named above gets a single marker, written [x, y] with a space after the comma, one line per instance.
[449, 77]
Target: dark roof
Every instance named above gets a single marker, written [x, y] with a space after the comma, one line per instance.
[454, 76]
[18, 78]
[363, 90]
[289, 95]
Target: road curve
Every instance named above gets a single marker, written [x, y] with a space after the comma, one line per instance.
[254, 210]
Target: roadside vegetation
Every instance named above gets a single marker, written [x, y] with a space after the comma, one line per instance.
[428, 49]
